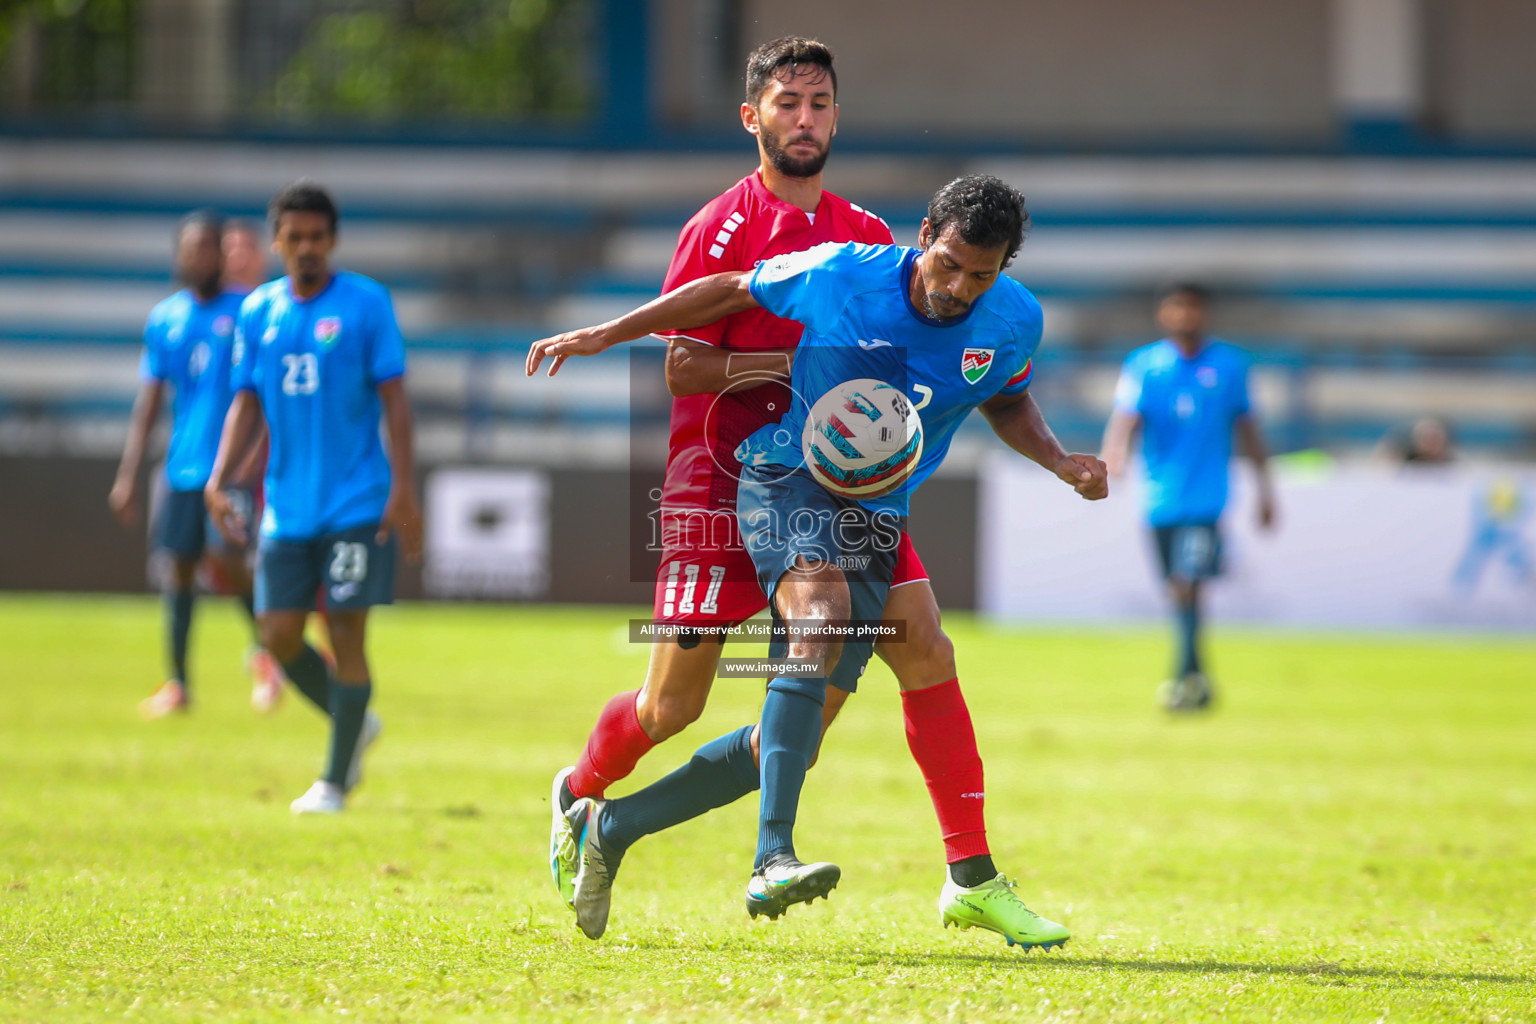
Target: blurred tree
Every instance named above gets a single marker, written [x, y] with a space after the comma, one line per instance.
[460, 58]
[63, 54]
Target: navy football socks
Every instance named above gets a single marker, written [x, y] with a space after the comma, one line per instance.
[791, 728]
[178, 614]
[309, 674]
[348, 705]
[720, 772]
[1187, 618]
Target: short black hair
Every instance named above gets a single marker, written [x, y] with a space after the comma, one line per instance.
[793, 52]
[1186, 289]
[303, 196]
[207, 218]
[987, 211]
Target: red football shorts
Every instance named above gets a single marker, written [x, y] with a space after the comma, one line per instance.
[718, 587]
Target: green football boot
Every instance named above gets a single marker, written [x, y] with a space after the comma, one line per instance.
[994, 906]
[564, 859]
[773, 889]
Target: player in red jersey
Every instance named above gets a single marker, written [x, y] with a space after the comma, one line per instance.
[728, 379]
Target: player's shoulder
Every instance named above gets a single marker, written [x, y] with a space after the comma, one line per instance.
[735, 204]
[263, 294]
[1228, 354]
[859, 267]
[1157, 353]
[360, 286]
[861, 222]
[173, 307]
[1013, 308]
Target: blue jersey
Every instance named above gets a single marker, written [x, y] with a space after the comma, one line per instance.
[188, 344]
[1187, 409]
[316, 366]
[860, 322]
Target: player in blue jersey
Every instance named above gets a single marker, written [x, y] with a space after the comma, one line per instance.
[318, 355]
[946, 326]
[187, 347]
[1188, 394]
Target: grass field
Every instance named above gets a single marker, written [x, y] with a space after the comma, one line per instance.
[1352, 837]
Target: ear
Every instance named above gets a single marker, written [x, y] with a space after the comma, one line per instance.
[835, 111]
[749, 118]
[924, 234]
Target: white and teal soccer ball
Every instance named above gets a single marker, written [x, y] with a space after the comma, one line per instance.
[862, 439]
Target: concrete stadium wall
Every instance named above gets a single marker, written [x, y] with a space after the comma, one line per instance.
[1091, 68]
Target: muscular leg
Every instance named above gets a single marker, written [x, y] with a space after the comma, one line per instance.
[282, 634]
[939, 731]
[677, 685]
[790, 732]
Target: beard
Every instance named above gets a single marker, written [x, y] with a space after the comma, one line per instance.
[789, 166]
[938, 306]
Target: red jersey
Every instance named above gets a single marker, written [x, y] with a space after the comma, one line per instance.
[742, 227]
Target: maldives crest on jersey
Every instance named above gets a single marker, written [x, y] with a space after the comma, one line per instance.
[327, 330]
[975, 362]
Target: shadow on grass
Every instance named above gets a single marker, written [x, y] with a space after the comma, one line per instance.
[1066, 961]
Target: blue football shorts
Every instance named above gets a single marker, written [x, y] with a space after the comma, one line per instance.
[353, 568]
[786, 514]
[1189, 551]
[185, 528]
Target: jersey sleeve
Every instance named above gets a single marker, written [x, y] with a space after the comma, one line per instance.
[1128, 387]
[699, 253]
[152, 362]
[1242, 403]
[806, 286]
[242, 352]
[386, 348]
[1029, 329]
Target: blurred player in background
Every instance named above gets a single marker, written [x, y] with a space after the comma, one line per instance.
[245, 257]
[1188, 395]
[921, 302]
[728, 379]
[187, 347]
[319, 356]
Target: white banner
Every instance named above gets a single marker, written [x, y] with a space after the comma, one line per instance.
[1357, 545]
[487, 533]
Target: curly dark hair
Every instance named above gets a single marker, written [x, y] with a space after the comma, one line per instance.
[302, 196]
[792, 52]
[987, 211]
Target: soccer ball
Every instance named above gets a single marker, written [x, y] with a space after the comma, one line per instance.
[862, 439]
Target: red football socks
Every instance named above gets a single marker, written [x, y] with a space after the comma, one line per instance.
[616, 745]
[943, 744]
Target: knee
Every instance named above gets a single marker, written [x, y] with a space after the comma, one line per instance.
[281, 639]
[1181, 590]
[663, 716]
[184, 573]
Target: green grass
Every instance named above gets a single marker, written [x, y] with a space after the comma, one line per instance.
[1351, 837]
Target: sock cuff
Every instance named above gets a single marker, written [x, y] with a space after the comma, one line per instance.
[622, 712]
[933, 700]
[345, 694]
[810, 688]
[738, 754]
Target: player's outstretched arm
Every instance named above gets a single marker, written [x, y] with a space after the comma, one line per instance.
[1251, 441]
[240, 424]
[1017, 420]
[694, 304]
[402, 512]
[694, 368]
[124, 497]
